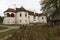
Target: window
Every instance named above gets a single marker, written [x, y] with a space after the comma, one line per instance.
[8, 22]
[8, 15]
[12, 15]
[25, 15]
[42, 17]
[20, 15]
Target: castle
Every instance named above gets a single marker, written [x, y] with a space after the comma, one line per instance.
[22, 16]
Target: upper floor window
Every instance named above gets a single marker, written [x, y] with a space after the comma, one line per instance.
[8, 15]
[25, 15]
[12, 15]
[20, 15]
[42, 17]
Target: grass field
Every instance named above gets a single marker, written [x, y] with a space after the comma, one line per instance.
[11, 24]
[2, 27]
[3, 34]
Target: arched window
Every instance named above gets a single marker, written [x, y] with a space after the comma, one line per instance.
[42, 17]
[8, 15]
[12, 15]
[25, 15]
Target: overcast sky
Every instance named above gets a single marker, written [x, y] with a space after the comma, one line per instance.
[27, 4]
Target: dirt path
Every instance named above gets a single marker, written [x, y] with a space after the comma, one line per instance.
[10, 28]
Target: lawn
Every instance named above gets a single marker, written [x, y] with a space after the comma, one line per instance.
[3, 34]
[2, 27]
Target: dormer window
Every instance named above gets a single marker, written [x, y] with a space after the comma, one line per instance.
[25, 15]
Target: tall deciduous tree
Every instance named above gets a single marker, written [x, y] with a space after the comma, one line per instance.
[51, 6]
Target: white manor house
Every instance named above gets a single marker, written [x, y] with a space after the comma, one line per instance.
[22, 16]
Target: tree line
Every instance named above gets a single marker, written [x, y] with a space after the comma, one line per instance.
[50, 7]
[1, 20]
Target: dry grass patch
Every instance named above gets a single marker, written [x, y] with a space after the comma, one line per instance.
[36, 32]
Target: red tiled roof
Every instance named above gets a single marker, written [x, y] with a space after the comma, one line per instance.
[31, 13]
[36, 14]
[41, 14]
[10, 10]
[19, 10]
[22, 9]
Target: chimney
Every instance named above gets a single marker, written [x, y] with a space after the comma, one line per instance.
[14, 6]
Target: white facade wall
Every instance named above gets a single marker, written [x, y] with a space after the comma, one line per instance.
[36, 19]
[42, 19]
[8, 20]
[22, 19]
[31, 18]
